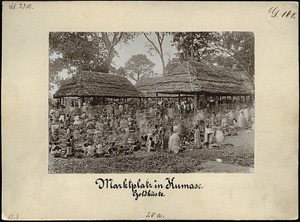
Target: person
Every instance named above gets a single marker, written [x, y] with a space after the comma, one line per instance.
[213, 117]
[88, 150]
[219, 136]
[166, 137]
[77, 121]
[174, 141]
[224, 122]
[208, 135]
[70, 146]
[231, 115]
[197, 138]
[246, 114]
[241, 120]
[99, 150]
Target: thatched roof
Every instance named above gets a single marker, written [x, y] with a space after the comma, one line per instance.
[202, 78]
[148, 87]
[95, 84]
[246, 81]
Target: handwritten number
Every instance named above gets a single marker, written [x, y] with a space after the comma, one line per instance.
[276, 12]
[21, 6]
[13, 216]
[157, 215]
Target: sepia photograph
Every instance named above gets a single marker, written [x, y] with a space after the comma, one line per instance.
[155, 104]
[151, 102]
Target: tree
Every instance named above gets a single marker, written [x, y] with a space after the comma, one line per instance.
[112, 39]
[138, 66]
[172, 65]
[83, 50]
[74, 50]
[157, 48]
[239, 47]
[230, 50]
[193, 45]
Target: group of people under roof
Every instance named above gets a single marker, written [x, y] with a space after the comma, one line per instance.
[125, 127]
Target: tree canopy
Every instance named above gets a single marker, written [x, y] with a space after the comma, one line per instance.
[138, 66]
[230, 50]
[83, 50]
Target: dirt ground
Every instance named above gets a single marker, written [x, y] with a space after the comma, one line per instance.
[236, 155]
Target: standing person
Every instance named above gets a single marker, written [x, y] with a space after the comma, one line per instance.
[174, 140]
[208, 134]
[166, 137]
[241, 120]
[70, 146]
[246, 114]
[197, 138]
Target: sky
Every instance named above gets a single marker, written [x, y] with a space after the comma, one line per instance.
[139, 45]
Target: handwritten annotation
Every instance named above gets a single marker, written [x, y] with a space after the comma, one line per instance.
[21, 6]
[145, 188]
[277, 13]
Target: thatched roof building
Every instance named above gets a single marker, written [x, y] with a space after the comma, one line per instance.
[148, 87]
[201, 78]
[246, 81]
[95, 84]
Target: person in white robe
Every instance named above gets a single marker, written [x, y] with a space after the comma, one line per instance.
[246, 114]
[77, 121]
[61, 118]
[231, 115]
[197, 138]
[219, 136]
[241, 120]
[201, 115]
[174, 140]
[224, 122]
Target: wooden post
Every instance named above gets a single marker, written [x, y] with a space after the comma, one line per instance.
[216, 101]
[195, 102]
[103, 100]
[179, 98]
[156, 98]
[81, 102]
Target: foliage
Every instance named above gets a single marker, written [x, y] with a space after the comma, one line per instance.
[193, 45]
[239, 47]
[83, 50]
[138, 66]
[230, 50]
[171, 65]
[75, 50]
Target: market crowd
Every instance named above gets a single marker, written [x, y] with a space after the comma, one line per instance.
[123, 127]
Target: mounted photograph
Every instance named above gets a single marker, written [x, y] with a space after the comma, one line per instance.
[151, 102]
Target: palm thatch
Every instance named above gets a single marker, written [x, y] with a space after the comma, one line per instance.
[246, 81]
[95, 84]
[148, 87]
[201, 78]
